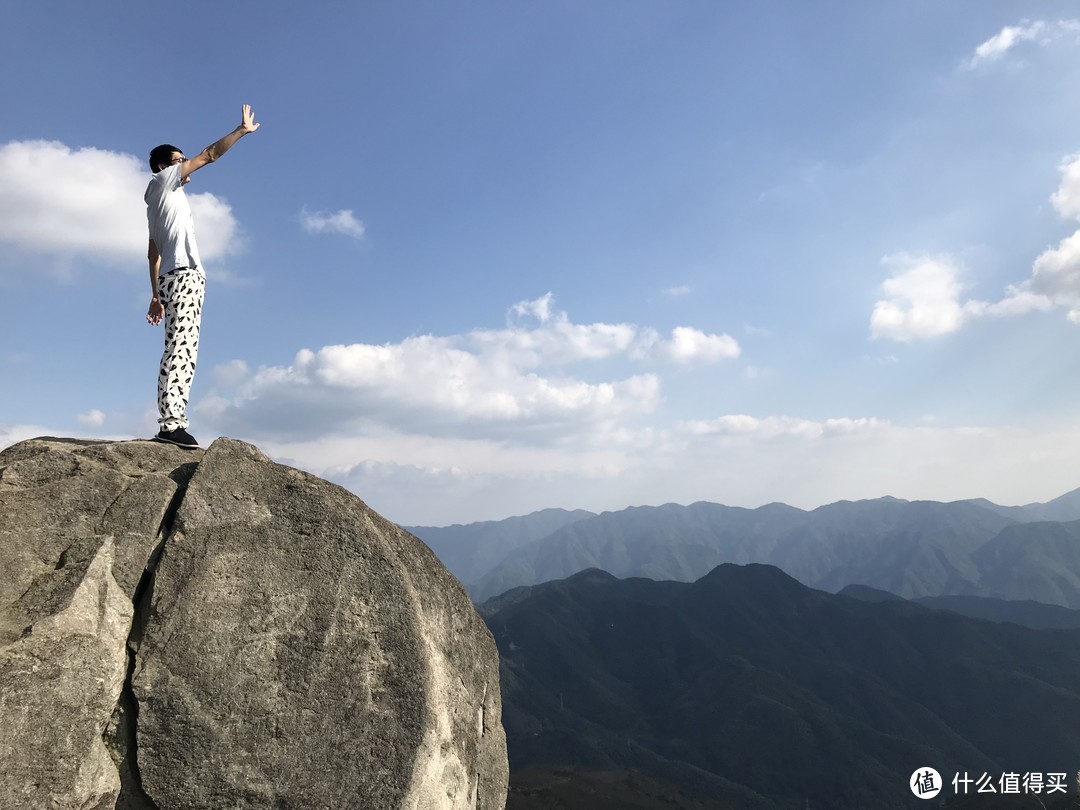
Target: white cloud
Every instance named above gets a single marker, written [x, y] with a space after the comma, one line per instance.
[1007, 38]
[342, 222]
[922, 300]
[558, 341]
[689, 345]
[1055, 274]
[1011, 36]
[539, 308]
[513, 384]
[553, 340]
[426, 384]
[1018, 301]
[1066, 200]
[773, 427]
[677, 292]
[12, 434]
[88, 204]
[686, 346]
[93, 418]
[215, 228]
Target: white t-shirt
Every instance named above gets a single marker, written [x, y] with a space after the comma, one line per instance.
[169, 217]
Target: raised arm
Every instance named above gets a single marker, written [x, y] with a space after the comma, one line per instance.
[220, 147]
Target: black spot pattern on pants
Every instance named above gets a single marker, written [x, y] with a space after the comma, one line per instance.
[181, 293]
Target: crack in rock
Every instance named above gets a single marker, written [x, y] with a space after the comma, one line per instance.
[124, 727]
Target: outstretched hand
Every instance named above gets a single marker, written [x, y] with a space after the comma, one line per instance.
[155, 313]
[247, 119]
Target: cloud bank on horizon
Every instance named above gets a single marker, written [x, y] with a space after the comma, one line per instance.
[467, 335]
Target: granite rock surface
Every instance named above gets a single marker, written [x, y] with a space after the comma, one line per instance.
[190, 629]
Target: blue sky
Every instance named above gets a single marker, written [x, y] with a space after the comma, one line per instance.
[486, 258]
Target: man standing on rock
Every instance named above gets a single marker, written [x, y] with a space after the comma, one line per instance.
[177, 278]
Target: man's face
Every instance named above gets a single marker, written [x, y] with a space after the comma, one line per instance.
[178, 157]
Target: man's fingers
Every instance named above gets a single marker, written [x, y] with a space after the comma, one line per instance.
[248, 119]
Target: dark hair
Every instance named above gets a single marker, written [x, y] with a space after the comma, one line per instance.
[162, 155]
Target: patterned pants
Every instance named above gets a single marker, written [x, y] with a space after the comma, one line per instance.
[181, 293]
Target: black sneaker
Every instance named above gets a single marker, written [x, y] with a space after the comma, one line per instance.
[179, 437]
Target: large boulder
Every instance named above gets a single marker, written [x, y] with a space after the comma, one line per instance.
[290, 648]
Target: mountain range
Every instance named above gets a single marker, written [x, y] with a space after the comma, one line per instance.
[748, 689]
[913, 549]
